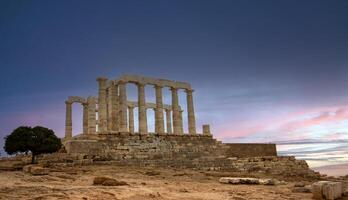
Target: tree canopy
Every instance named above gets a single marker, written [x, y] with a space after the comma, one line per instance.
[37, 140]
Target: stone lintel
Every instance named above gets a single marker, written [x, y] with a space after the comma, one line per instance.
[153, 81]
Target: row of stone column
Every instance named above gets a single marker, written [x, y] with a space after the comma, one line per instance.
[88, 117]
[158, 129]
[112, 109]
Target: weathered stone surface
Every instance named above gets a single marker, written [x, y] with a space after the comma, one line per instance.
[304, 189]
[327, 190]
[108, 181]
[268, 181]
[35, 170]
[233, 180]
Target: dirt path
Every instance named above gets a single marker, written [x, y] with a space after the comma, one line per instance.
[77, 183]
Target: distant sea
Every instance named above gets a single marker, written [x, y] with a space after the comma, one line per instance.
[329, 158]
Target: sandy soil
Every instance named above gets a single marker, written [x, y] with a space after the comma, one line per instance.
[160, 184]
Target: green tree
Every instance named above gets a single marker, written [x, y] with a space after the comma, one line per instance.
[37, 140]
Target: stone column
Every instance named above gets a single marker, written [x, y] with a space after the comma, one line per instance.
[131, 119]
[181, 128]
[68, 120]
[175, 109]
[112, 107]
[85, 118]
[206, 129]
[159, 123]
[92, 125]
[122, 107]
[102, 107]
[190, 112]
[116, 125]
[142, 109]
[168, 121]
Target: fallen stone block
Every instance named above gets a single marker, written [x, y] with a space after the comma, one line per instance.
[39, 170]
[327, 190]
[152, 173]
[108, 181]
[232, 180]
[268, 181]
[35, 170]
[250, 181]
[305, 189]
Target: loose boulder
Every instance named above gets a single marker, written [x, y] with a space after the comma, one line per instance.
[35, 170]
[108, 181]
[327, 190]
[249, 181]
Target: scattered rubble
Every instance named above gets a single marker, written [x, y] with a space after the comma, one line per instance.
[248, 181]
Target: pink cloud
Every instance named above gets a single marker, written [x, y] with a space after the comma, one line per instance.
[285, 125]
[324, 117]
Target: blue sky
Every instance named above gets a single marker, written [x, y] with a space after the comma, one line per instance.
[262, 70]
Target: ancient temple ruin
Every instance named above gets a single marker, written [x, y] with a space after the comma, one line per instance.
[109, 136]
[111, 112]
[108, 124]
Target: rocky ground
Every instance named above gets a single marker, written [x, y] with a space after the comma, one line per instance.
[145, 183]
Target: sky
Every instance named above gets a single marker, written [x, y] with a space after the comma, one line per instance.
[263, 71]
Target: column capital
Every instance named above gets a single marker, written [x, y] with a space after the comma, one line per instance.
[121, 82]
[101, 79]
[157, 86]
[140, 84]
[187, 90]
[173, 89]
[68, 102]
[130, 106]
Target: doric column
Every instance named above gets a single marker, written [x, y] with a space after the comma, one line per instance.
[68, 121]
[131, 119]
[116, 125]
[91, 115]
[190, 112]
[85, 118]
[206, 129]
[159, 124]
[122, 107]
[142, 109]
[168, 121]
[112, 107]
[181, 128]
[175, 109]
[102, 111]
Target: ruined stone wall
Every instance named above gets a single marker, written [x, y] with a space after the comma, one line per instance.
[150, 146]
[155, 146]
[249, 150]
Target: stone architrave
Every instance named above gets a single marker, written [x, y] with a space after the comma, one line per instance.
[169, 121]
[68, 120]
[190, 112]
[159, 122]
[131, 119]
[85, 118]
[176, 112]
[142, 109]
[122, 107]
[102, 106]
[91, 115]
